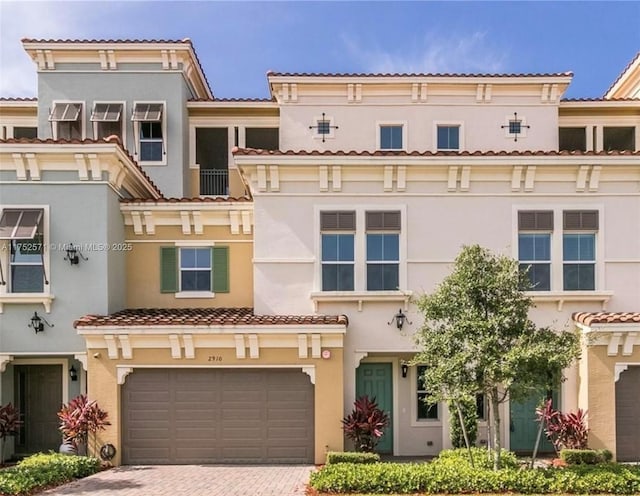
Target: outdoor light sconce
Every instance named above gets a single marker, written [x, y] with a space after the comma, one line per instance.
[400, 319]
[404, 368]
[37, 323]
[73, 373]
[73, 254]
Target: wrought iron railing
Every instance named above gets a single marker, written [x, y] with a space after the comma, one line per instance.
[214, 182]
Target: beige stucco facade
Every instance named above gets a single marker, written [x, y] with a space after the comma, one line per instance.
[106, 375]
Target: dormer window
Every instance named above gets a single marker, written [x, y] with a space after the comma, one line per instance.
[66, 120]
[107, 120]
[149, 129]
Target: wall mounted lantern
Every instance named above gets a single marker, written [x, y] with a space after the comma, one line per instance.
[73, 373]
[404, 368]
[73, 254]
[400, 319]
[37, 323]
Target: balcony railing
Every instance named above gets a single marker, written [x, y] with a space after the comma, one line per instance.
[214, 182]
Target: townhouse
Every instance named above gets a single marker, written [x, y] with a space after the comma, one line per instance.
[225, 276]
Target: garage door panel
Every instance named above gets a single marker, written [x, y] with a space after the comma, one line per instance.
[217, 416]
[628, 415]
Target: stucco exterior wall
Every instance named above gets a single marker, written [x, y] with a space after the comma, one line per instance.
[598, 395]
[105, 86]
[328, 405]
[85, 215]
[143, 269]
[358, 122]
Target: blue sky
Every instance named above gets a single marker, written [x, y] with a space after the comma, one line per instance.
[238, 42]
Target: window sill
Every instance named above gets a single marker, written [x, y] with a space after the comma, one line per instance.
[195, 294]
[427, 423]
[562, 297]
[26, 299]
[151, 163]
[360, 297]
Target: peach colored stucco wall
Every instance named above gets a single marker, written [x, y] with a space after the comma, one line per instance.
[328, 404]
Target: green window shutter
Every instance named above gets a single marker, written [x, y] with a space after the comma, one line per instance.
[221, 269]
[168, 269]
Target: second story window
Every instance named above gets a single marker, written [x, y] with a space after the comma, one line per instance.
[338, 260]
[66, 121]
[448, 137]
[383, 250]
[619, 138]
[22, 237]
[149, 130]
[391, 137]
[194, 272]
[579, 249]
[572, 138]
[107, 120]
[534, 247]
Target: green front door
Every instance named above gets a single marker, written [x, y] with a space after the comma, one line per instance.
[523, 425]
[375, 380]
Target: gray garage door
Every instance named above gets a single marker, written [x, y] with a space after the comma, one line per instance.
[183, 416]
[628, 415]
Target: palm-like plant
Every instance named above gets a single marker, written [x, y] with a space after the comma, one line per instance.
[9, 425]
[365, 424]
[80, 418]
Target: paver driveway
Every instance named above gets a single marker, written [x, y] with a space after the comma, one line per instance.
[192, 480]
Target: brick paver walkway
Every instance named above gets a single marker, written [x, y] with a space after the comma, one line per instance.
[191, 480]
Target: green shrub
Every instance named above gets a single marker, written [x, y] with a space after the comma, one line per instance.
[585, 456]
[43, 470]
[470, 415]
[448, 477]
[481, 457]
[351, 457]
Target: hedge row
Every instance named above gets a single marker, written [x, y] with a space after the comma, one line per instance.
[351, 457]
[450, 475]
[44, 470]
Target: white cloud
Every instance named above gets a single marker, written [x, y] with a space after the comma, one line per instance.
[33, 20]
[432, 54]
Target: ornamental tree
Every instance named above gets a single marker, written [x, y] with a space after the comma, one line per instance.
[477, 338]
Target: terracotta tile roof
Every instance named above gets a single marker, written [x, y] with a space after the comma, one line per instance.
[402, 153]
[628, 66]
[185, 41]
[413, 75]
[588, 318]
[208, 199]
[203, 317]
[18, 99]
[232, 100]
[38, 141]
[600, 99]
[121, 41]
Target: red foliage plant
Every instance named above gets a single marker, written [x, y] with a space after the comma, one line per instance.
[564, 430]
[79, 418]
[9, 425]
[365, 424]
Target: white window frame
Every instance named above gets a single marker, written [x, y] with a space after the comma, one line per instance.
[45, 297]
[136, 133]
[317, 135]
[459, 125]
[81, 117]
[539, 262]
[338, 262]
[593, 262]
[194, 294]
[557, 293]
[381, 262]
[360, 248]
[123, 117]
[415, 422]
[405, 134]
